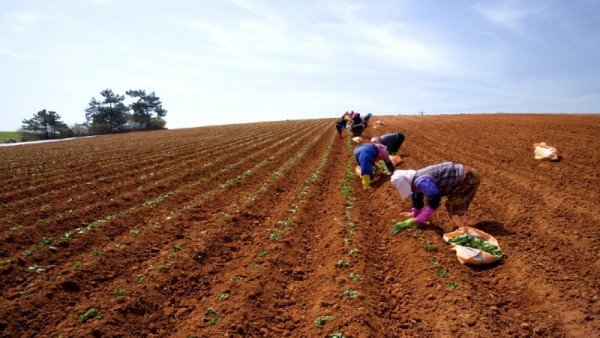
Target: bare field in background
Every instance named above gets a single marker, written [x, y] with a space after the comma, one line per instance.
[261, 229]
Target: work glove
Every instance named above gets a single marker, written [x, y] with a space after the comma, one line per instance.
[366, 181]
[390, 166]
[424, 214]
[415, 212]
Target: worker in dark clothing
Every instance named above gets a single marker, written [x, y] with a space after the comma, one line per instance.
[392, 141]
[366, 155]
[341, 124]
[357, 126]
[367, 119]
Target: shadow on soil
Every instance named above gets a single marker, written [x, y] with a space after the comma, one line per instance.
[493, 228]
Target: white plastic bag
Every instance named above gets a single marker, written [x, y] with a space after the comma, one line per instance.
[545, 152]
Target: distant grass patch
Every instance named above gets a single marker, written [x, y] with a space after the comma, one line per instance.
[7, 135]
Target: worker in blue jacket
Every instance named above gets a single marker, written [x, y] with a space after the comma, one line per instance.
[366, 155]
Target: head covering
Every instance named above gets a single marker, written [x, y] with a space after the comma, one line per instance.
[402, 179]
[376, 139]
[369, 114]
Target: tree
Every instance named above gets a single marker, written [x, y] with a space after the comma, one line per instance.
[147, 110]
[108, 116]
[79, 129]
[46, 124]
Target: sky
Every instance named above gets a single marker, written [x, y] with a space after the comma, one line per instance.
[214, 62]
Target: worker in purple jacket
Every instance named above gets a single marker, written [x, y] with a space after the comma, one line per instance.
[366, 155]
[456, 181]
[392, 141]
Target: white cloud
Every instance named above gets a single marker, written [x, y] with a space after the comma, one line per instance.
[21, 21]
[221, 37]
[508, 15]
[7, 52]
[401, 50]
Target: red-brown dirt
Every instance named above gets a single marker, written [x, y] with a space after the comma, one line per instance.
[260, 229]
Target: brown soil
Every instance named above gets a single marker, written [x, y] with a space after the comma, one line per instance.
[251, 230]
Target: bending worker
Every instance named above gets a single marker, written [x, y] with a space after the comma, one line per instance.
[366, 155]
[341, 124]
[357, 125]
[392, 141]
[456, 181]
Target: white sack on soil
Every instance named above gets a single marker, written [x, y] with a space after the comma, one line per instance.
[545, 152]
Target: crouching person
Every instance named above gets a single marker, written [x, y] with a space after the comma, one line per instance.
[366, 155]
[392, 141]
[456, 181]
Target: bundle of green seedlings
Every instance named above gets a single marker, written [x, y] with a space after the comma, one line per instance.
[471, 241]
[401, 226]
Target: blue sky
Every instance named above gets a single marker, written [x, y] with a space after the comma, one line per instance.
[220, 62]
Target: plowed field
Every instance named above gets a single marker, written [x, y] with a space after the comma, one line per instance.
[260, 230]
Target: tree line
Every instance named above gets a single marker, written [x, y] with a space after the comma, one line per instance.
[107, 115]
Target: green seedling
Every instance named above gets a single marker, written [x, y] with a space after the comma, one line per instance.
[224, 295]
[24, 292]
[36, 268]
[77, 264]
[401, 226]
[27, 253]
[441, 272]
[343, 264]
[67, 236]
[285, 223]
[255, 265]
[471, 241]
[430, 248]
[338, 334]
[7, 260]
[352, 251]
[212, 317]
[355, 277]
[452, 285]
[324, 319]
[89, 314]
[264, 253]
[350, 293]
[120, 292]
[177, 248]
[274, 236]
[326, 277]
[140, 279]
[433, 260]
[96, 252]
[161, 267]
[17, 228]
[346, 190]
[47, 240]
